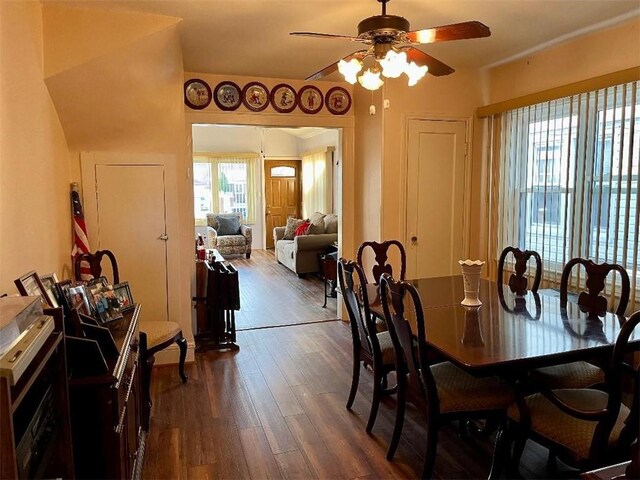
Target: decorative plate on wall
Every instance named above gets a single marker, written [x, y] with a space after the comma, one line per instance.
[310, 99]
[283, 98]
[338, 101]
[255, 96]
[227, 96]
[197, 94]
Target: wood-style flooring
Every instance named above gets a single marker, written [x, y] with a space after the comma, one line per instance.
[276, 409]
[271, 294]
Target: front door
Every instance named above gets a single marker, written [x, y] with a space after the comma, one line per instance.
[282, 194]
[435, 197]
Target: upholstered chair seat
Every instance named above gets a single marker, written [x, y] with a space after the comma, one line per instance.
[159, 332]
[386, 348]
[569, 375]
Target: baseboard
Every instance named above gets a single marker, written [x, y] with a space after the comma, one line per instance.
[171, 354]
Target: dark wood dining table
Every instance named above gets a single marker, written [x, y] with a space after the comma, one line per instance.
[508, 335]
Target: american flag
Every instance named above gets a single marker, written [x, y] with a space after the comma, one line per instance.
[80, 240]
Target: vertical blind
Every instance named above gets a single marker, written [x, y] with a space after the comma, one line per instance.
[568, 181]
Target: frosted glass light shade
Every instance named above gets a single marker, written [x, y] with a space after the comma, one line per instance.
[415, 73]
[350, 69]
[393, 64]
[370, 80]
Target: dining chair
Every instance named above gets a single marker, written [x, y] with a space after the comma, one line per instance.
[381, 253]
[155, 335]
[585, 427]
[441, 391]
[517, 281]
[369, 347]
[583, 374]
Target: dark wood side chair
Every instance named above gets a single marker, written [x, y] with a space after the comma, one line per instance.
[155, 335]
[381, 252]
[441, 391]
[371, 348]
[585, 427]
[583, 374]
[518, 283]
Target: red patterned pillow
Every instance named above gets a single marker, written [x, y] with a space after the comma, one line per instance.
[303, 229]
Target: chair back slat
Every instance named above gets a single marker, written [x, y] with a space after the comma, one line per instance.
[381, 252]
[517, 281]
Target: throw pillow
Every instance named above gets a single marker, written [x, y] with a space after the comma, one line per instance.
[331, 223]
[228, 226]
[317, 223]
[290, 230]
[303, 229]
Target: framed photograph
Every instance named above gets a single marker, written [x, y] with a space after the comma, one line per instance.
[227, 96]
[49, 283]
[74, 296]
[338, 101]
[197, 94]
[30, 284]
[123, 294]
[283, 98]
[310, 99]
[105, 303]
[255, 96]
[101, 281]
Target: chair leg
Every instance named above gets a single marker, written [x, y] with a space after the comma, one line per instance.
[432, 446]
[552, 464]
[500, 452]
[355, 378]
[182, 345]
[375, 401]
[518, 449]
[401, 405]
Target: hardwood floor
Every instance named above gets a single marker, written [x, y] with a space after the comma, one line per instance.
[271, 294]
[276, 409]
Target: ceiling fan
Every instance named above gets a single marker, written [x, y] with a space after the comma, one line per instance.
[391, 41]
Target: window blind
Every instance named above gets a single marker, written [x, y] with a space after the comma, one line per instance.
[568, 181]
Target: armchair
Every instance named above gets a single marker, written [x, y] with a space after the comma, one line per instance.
[238, 243]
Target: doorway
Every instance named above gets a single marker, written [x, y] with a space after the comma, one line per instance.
[282, 195]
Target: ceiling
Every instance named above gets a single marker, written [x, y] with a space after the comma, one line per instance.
[250, 37]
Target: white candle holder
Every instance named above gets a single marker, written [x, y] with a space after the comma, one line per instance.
[471, 275]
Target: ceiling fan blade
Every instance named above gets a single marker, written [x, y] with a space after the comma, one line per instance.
[324, 35]
[436, 67]
[328, 70]
[444, 33]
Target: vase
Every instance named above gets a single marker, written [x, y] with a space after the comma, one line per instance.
[471, 276]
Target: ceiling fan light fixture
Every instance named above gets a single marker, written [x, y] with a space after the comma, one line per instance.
[393, 64]
[370, 80]
[350, 69]
[415, 72]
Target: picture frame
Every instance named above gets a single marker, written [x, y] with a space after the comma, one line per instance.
[255, 96]
[310, 99]
[74, 296]
[197, 94]
[30, 284]
[104, 303]
[122, 292]
[338, 101]
[49, 283]
[227, 96]
[284, 98]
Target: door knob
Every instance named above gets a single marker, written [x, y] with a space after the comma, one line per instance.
[164, 237]
[414, 240]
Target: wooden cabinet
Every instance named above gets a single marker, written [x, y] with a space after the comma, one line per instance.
[35, 434]
[106, 401]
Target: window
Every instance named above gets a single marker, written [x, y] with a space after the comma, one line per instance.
[283, 171]
[569, 173]
[224, 184]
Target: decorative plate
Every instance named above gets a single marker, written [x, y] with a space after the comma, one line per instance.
[197, 94]
[227, 96]
[310, 99]
[283, 98]
[255, 96]
[338, 101]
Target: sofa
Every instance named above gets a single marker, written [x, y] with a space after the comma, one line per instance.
[300, 254]
[238, 243]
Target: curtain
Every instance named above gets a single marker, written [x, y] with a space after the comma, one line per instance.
[564, 182]
[316, 182]
[226, 183]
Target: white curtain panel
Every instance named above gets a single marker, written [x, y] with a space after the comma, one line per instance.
[316, 182]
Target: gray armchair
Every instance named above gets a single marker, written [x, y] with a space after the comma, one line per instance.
[235, 244]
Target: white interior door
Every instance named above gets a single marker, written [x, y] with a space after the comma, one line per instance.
[435, 197]
[131, 218]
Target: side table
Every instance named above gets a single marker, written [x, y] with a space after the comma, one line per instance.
[329, 274]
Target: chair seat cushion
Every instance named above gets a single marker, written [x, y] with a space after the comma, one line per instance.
[552, 423]
[159, 332]
[386, 347]
[459, 391]
[231, 241]
[569, 375]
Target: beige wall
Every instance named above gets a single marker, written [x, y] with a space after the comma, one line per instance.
[35, 216]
